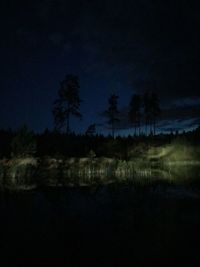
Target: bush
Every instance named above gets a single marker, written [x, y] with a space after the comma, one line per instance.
[23, 144]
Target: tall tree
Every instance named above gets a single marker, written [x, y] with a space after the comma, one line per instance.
[112, 113]
[151, 110]
[68, 102]
[147, 110]
[135, 111]
[91, 130]
[155, 110]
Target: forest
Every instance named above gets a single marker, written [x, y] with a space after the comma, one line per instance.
[63, 157]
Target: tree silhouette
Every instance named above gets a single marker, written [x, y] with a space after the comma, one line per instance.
[112, 113]
[155, 110]
[151, 110]
[135, 111]
[147, 110]
[91, 130]
[68, 102]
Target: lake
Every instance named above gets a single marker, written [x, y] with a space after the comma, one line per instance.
[100, 226]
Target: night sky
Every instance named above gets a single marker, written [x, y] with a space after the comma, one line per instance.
[114, 46]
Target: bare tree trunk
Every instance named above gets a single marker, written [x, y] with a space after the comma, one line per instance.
[139, 128]
[68, 129]
[151, 127]
[154, 127]
[146, 127]
[113, 131]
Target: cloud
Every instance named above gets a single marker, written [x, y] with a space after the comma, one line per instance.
[181, 112]
[187, 102]
[172, 118]
[178, 125]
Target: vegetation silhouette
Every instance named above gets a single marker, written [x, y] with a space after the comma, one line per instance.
[112, 113]
[152, 111]
[24, 143]
[58, 144]
[91, 130]
[68, 102]
[135, 112]
[62, 157]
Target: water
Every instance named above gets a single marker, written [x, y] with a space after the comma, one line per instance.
[105, 226]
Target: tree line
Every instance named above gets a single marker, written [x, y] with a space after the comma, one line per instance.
[143, 113]
[143, 109]
[24, 142]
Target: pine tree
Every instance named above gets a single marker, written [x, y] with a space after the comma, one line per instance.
[112, 113]
[68, 102]
[135, 112]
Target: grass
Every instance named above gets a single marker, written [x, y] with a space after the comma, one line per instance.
[176, 163]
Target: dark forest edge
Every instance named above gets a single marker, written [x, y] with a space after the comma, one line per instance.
[62, 158]
[31, 160]
[142, 110]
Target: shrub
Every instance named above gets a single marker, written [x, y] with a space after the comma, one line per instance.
[23, 144]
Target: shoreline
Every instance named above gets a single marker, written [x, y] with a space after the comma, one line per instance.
[29, 173]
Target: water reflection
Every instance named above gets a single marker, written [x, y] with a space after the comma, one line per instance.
[103, 226]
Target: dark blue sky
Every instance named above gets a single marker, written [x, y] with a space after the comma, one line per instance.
[113, 46]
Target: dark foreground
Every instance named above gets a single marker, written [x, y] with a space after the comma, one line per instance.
[105, 226]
